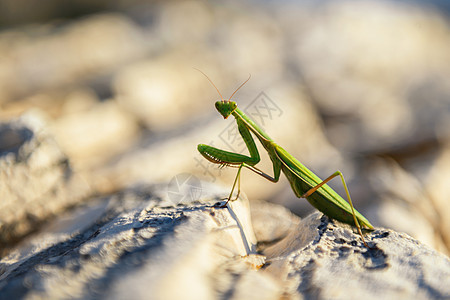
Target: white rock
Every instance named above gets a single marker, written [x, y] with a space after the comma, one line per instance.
[140, 246]
[36, 181]
[325, 259]
[137, 244]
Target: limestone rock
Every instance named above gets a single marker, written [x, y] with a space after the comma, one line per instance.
[36, 181]
[139, 244]
[324, 259]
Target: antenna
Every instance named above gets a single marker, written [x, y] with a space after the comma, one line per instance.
[249, 75]
[212, 83]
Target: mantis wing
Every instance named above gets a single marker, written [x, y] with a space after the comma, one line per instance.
[325, 199]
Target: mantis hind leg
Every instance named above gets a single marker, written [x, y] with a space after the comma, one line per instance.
[339, 173]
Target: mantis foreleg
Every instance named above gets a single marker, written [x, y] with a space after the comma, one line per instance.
[226, 158]
[238, 180]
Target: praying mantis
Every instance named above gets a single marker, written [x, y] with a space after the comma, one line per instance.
[304, 183]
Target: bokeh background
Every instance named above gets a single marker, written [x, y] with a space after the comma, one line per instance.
[359, 86]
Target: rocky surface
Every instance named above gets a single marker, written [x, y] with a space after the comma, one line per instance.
[136, 244]
[324, 259]
[139, 244]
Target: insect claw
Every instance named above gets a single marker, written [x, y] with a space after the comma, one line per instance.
[222, 205]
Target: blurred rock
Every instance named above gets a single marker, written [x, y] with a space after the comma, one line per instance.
[404, 204]
[240, 43]
[55, 103]
[170, 23]
[438, 187]
[54, 57]
[36, 181]
[88, 130]
[166, 92]
[249, 43]
[18, 13]
[93, 134]
[375, 89]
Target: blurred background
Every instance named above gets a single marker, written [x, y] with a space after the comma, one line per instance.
[357, 86]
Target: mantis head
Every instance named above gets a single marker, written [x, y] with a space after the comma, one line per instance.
[225, 107]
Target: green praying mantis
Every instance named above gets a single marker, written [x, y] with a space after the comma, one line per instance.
[304, 183]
